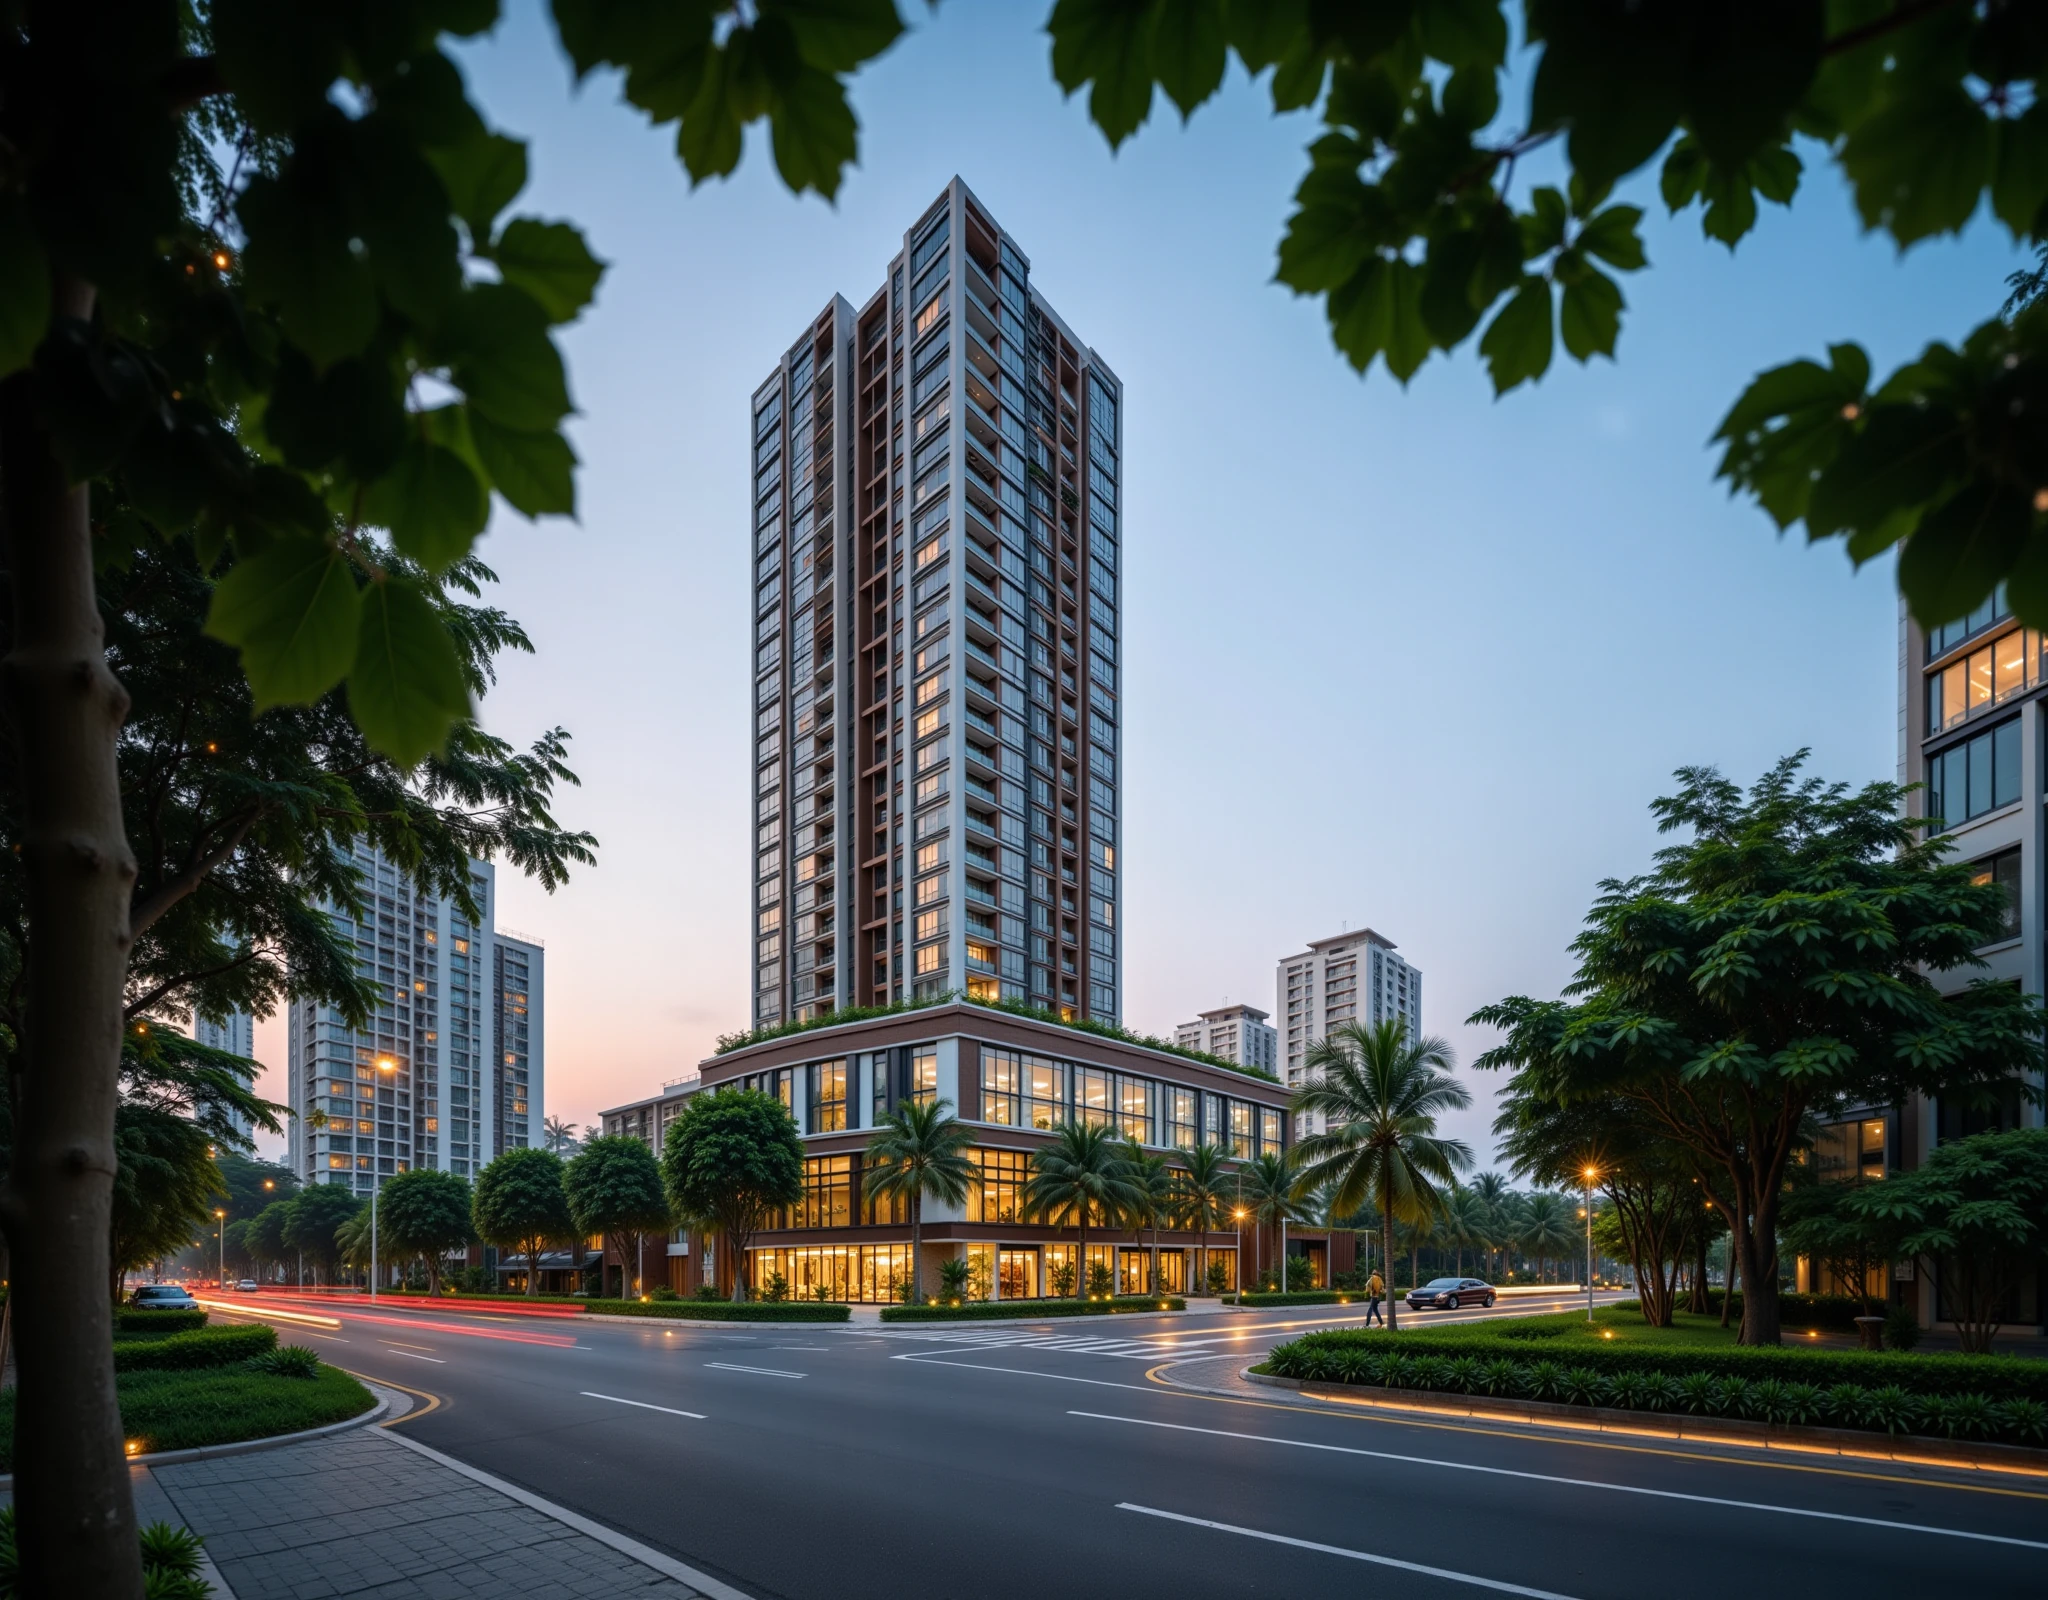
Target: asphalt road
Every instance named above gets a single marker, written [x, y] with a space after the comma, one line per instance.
[1035, 1459]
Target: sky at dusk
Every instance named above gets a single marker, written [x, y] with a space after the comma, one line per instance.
[1411, 660]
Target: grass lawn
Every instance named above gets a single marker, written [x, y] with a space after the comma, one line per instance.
[218, 1405]
[1558, 1333]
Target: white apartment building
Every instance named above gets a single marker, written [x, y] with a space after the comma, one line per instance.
[1236, 1033]
[236, 1034]
[449, 1069]
[1352, 977]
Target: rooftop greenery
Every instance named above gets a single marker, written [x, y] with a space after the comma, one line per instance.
[729, 1042]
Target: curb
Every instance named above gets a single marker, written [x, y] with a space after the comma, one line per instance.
[706, 1322]
[1911, 1449]
[242, 1447]
[998, 1322]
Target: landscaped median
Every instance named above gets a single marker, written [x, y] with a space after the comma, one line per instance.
[1560, 1361]
[206, 1386]
[723, 1310]
[992, 1310]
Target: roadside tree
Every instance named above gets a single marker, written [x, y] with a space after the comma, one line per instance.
[730, 1159]
[920, 1149]
[1267, 1186]
[1083, 1176]
[614, 1189]
[425, 1213]
[1203, 1184]
[518, 1205]
[316, 1215]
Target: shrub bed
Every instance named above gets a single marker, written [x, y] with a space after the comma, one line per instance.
[1945, 1395]
[1837, 1313]
[202, 1347]
[223, 1405]
[992, 1310]
[130, 1323]
[725, 1310]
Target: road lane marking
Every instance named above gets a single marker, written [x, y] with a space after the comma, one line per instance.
[766, 1372]
[820, 1349]
[931, 1358]
[400, 1344]
[1576, 1483]
[411, 1356]
[1349, 1555]
[592, 1394]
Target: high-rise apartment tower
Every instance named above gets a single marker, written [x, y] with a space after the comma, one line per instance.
[448, 1071]
[1353, 977]
[936, 558]
[1236, 1033]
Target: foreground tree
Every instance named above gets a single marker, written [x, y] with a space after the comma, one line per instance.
[1203, 1185]
[1976, 1212]
[1154, 1189]
[1775, 966]
[425, 1213]
[1409, 224]
[316, 1215]
[729, 1160]
[1268, 1189]
[519, 1205]
[614, 1189]
[1083, 1176]
[919, 1150]
[1379, 1092]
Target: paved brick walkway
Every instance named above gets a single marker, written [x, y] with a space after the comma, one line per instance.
[363, 1516]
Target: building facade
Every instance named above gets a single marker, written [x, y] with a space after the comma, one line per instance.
[449, 1069]
[1353, 977]
[1971, 733]
[1013, 1080]
[1242, 1034]
[936, 549]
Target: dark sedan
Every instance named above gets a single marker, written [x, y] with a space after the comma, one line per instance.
[1447, 1294]
[163, 1297]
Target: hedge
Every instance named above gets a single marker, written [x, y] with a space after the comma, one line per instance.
[1832, 1311]
[148, 1324]
[203, 1347]
[182, 1410]
[994, 1310]
[725, 1310]
[2007, 1376]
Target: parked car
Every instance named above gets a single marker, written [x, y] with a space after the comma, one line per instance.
[163, 1297]
[246, 1286]
[1447, 1294]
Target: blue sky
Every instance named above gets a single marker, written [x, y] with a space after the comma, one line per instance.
[1417, 660]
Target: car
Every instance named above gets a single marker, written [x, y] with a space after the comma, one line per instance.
[246, 1286]
[163, 1297]
[1447, 1294]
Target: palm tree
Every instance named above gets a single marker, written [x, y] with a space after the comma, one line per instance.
[1155, 1186]
[1379, 1092]
[919, 1150]
[1546, 1228]
[1203, 1187]
[1269, 1196]
[1466, 1221]
[1494, 1194]
[1084, 1172]
[560, 1137]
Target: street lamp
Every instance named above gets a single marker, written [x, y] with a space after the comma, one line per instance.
[221, 1228]
[384, 1064]
[1238, 1214]
[1590, 1174]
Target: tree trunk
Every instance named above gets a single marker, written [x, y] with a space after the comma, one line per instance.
[76, 1527]
[1387, 1256]
[1698, 1300]
[1759, 1249]
[1728, 1281]
[1081, 1260]
[917, 1249]
[1202, 1260]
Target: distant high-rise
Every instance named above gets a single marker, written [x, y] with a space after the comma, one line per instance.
[936, 557]
[1236, 1033]
[236, 1034]
[1352, 977]
[448, 1071]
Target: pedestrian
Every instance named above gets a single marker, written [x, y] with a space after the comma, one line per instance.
[1374, 1288]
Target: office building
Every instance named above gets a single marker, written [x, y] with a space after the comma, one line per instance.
[1236, 1033]
[1971, 731]
[936, 554]
[1352, 977]
[1012, 1080]
[236, 1034]
[448, 1070]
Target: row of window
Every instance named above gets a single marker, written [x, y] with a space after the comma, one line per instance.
[1975, 775]
[1022, 1090]
[2007, 667]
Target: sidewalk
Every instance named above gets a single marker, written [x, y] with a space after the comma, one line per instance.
[371, 1514]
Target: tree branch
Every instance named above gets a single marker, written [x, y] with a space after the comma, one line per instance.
[159, 900]
[192, 80]
[1904, 17]
[150, 997]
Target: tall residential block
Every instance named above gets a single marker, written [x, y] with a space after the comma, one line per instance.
[448, 1070]
[936, 558]
[1241, 1034]
[1352, 977]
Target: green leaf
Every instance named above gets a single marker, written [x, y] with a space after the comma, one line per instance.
[1614, 77]
[1449, 309]
[1265, 30]
[1466, 35]
[481, 176]
[1517, 343]
[535, 472]
[293, 610]
[1361, 312]
[1329, 236]
[278, 60]
[407, 688]
[1920, 164]
[1471, 97]
[1107, 43]
[2020, 188]
[1188, 52]
[432, 504]
[24, 287]
[414, 254]
[298, 259]
[1543, 224]
[1612, 236]
[1408, 343]
[838, 35]
[501, 357]
[1962, 548]
[814, 132]
[1900, 458]
[550, 261]
[710, 137]
[1589, 315]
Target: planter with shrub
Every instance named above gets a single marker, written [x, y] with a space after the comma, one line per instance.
[992, 1310]
[724, 1310]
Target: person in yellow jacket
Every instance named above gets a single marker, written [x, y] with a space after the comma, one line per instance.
[1375, 1288]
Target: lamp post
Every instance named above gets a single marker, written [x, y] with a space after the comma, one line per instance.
[1238, 1217]
[220, 1228]
[1590, 1174]
[384, 1064]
